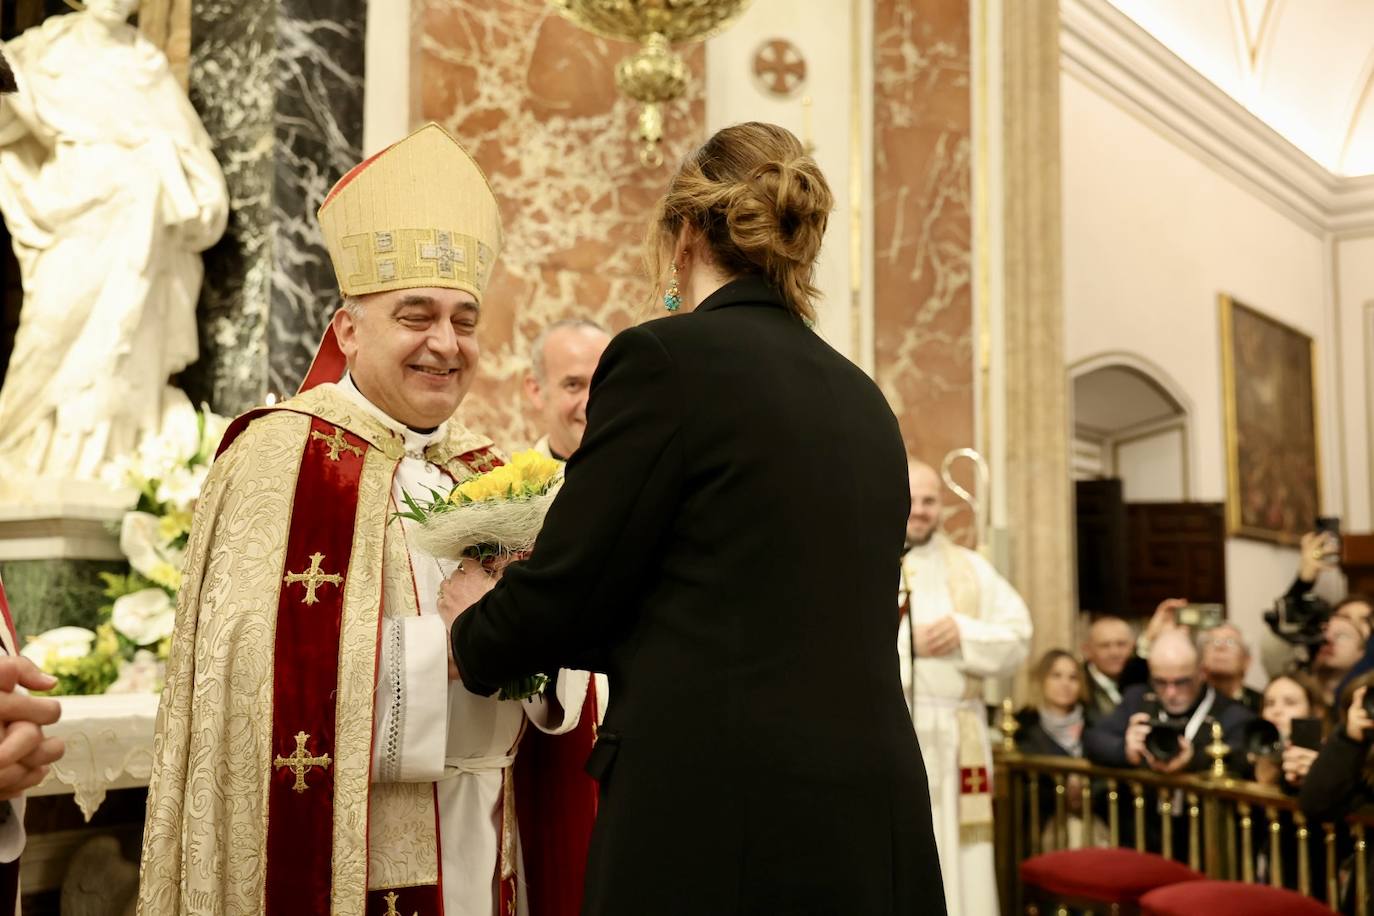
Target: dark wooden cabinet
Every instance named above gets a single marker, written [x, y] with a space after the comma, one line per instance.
[1357, 560]
[1176, 550]
[1131, 556]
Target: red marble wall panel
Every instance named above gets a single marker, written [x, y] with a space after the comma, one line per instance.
[923, 312]
[533, 98]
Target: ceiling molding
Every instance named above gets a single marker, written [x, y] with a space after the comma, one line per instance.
[1110, 53]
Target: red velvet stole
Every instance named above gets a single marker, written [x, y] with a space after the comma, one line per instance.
[9, 621]
[556, 801]
[300, 804]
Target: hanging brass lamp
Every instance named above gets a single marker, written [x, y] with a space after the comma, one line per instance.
[654, 74]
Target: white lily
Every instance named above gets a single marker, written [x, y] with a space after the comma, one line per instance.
[144, 617]
[57, 644]
[142, 675]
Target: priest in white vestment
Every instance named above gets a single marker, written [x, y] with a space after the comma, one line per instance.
[961, 622]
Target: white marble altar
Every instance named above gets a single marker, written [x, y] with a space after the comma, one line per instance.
[110, 189]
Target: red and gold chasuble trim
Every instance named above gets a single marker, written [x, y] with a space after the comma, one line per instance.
[300, 820]
[9, 621]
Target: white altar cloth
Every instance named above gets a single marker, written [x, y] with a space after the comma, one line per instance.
[109, 746]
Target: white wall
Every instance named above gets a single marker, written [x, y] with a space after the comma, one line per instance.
[1354, 263]
[1151, 466]
[386, 90]
[824, 34]
[1151, 235]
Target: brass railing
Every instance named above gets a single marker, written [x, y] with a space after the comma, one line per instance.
[1229, 823]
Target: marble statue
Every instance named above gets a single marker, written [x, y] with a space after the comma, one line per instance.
[110, 190]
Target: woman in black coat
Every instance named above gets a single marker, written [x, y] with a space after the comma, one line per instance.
[726, 548]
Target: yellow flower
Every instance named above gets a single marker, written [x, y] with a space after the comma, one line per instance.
[536, 471]
[106, 643]
[165, 574]
[173, 525]
[528, 474]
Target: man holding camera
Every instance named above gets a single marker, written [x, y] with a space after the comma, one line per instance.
[1165, 724]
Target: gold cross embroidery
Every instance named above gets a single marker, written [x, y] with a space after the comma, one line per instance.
[337, 443]
[313, 578]
[443, 254]
[300, 761]
[391, 906]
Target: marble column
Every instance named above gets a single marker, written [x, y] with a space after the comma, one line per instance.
[923, 311]
[1038, 486]
[279, 86]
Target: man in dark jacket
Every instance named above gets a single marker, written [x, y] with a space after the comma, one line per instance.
[1177, 696]
[1111, 658]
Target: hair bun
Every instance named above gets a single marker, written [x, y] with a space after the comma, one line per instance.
[780, 212]
[761, 204]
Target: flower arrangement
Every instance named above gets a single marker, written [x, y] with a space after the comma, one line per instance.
[127, 650]
[493, 517]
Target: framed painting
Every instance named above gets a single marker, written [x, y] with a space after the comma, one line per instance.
[1273, 480]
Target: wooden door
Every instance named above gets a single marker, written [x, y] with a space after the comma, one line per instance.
[1175, 550]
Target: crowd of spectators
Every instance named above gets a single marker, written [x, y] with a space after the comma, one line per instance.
[1149, 700]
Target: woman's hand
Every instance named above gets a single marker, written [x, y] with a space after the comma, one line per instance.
[1315, 553]
[1357, 720]
[460, 591]
[1296, 762]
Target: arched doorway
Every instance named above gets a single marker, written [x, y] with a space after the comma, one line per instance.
[1141, 538]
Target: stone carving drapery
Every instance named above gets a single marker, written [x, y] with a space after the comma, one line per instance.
[110, 190]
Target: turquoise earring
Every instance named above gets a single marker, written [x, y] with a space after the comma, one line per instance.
[672, 299]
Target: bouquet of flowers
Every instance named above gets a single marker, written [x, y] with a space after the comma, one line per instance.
[492, 517]
[127, 650]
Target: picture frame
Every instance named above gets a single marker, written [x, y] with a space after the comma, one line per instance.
[1273, 478]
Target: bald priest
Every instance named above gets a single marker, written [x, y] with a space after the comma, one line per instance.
[314, 752]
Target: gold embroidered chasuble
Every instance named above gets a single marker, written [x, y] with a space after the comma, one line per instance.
[207, 829]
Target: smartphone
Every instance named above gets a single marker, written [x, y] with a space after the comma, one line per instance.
[1307, 733]
[1331, 524]
[1202, 616]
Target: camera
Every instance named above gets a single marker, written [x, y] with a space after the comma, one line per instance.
[1261, 739]
[1161, 742]
[1299, 620]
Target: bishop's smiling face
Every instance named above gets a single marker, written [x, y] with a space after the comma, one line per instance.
[412, 352]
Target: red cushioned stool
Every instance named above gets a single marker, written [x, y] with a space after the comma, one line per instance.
[1099, 880]
[1225, 898]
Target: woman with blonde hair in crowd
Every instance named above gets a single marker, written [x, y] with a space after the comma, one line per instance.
[1053, 727]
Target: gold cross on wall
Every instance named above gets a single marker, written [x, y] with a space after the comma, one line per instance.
[336, 443]
[300, 761]
[391, 906]
[313, 578]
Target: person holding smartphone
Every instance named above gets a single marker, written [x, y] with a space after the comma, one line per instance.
[1341, 778]
[1292, 703]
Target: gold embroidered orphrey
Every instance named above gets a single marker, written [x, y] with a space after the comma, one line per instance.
[337, 443]
[301, 761]
[391, 906]
[314, 577]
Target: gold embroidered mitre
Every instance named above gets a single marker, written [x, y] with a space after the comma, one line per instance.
[419, 213]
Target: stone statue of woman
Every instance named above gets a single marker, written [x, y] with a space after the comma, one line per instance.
[110, 190]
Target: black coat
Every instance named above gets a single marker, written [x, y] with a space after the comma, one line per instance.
[1105, 742]
[1336, 785]
[726, 548]
[1100, 703]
